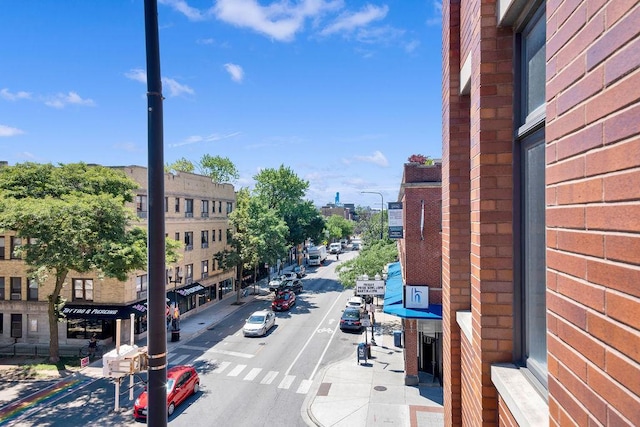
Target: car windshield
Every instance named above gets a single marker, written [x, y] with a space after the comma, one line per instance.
[256, 319]
[351, 314]
[284, 296]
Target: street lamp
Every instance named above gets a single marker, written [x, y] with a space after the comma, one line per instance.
[175, 329]
[381, 210]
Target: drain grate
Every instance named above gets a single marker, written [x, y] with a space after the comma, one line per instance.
[380, 388]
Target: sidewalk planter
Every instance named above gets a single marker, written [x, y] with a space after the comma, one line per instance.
[175, 335]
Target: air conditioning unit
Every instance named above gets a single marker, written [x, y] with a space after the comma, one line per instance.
[204, 215]
[16, 296]
[188, 214]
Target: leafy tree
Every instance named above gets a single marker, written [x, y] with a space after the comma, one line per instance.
[180, 165]
[71, 218]
[339, 227]
[258, 235]
[280, 188]
[219, 169]
[371, 261]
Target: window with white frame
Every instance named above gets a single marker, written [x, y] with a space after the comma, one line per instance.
[188, 240]
[204, 208]
[16, 289]
[141, 286]
[16, 242]
[83, 289]
[204, 238]
[205, 269]
[32, 292]
[189, 274]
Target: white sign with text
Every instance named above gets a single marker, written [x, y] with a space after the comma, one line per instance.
[370, 287]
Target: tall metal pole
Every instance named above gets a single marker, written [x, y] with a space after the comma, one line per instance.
[157, 331]
[381, 210]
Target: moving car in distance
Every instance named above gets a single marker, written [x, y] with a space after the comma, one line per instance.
[259, 323]
[335, 248]
[350, 320]
[182, 382]
[283, 301]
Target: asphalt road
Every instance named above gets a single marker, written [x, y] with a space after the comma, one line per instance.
[244, 381]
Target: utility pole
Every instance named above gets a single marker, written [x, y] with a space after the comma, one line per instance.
[157, 332]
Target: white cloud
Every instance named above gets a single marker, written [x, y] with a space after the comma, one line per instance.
[193, 139]
[280, 20]
[191, 13]
[205, 41]
[437, 20]
[235, 71]
[4, 93]
[129, 147]
[61, 100]
[173, 87]
[9, 131]
[350, 21]
[376, 158]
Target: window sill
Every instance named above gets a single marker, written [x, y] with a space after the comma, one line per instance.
[519, 395]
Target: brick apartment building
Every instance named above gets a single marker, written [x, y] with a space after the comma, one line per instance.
[541, 212]
[196, 212]
[418, 272]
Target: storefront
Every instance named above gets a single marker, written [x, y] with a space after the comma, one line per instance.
[85, 320]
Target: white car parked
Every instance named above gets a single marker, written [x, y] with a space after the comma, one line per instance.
[356, 302]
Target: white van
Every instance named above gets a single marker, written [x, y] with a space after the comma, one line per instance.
[335, 248]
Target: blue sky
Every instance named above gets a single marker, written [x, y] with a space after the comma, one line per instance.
[340, 91]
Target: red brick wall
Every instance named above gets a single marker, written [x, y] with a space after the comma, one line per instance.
[593, 212]
[455, 212]
[506, 417]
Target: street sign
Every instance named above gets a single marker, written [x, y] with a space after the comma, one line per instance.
[370, 287]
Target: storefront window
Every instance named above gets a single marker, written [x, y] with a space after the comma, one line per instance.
[84, 328]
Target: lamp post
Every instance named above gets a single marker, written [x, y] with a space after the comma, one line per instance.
[175, 322]
[381, 210]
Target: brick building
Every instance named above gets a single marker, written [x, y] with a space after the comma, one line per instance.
[541, 212]
[196, 212]
[414, 285]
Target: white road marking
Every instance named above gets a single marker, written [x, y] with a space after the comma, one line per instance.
[304, 387]
[312, 336]
[193, 347]
[236, 371]
[231, 353]
[286, 381]
[252, 374]
[221, 367]
[268, 379]
[179, 359]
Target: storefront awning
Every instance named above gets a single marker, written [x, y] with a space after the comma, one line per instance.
[87, 311]
[393, 299]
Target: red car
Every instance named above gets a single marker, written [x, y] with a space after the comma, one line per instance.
[182, 382]
[284, 300]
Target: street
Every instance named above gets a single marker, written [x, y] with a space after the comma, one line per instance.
[244, 381]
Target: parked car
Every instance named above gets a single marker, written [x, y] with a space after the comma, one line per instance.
[351, 320]
[300, 271]
[355, 246]
[294, 285]
[259, 323]
[182, 382]
[283, 301]
[356, 302]
[289, 275]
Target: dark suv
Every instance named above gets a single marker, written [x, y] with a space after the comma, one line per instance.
[294, 285]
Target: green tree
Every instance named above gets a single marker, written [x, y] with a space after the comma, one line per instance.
[339, 227]
[71, 218]
[371, 261]
[219, 169]
[180, 165]
[280, 188]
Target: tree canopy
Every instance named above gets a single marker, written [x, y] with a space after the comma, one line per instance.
[219, 169]
[339, 227]
[71, 217]
[371, 261]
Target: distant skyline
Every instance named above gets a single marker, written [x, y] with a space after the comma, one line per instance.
[342, 92]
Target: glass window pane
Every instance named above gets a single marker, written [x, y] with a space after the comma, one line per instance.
[534, 247]
[535, 67]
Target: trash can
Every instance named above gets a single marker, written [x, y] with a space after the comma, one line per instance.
[175, 335]
[362, 352]
[397, 338]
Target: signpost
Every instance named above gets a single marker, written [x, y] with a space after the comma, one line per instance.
[370, 287]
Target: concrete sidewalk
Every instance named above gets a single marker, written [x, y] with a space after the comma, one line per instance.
[355, 393]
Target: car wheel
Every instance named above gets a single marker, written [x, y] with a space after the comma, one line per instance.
[196, 388]
[172, 407]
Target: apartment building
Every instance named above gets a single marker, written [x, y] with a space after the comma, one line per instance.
[541, 209]
[196, 212]
[414, 283]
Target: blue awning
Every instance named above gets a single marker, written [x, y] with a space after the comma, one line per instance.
[393, 298]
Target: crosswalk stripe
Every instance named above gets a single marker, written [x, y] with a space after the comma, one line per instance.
[286, 381]
[304, 387]
[252, 374]
[236, 371]
[231, 353]
[178, 359]
[268, 379]
[221, 367]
